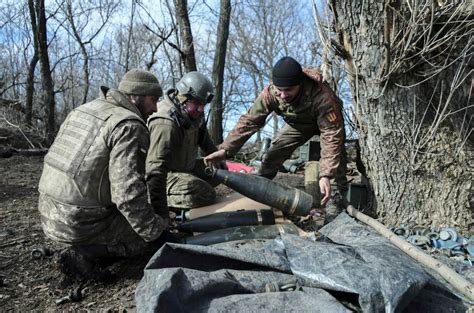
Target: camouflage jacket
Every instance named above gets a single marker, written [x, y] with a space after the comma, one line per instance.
[317, 108]
[174, 146]
[95, 170]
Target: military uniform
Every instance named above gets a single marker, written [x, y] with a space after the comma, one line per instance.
[175, 177]
[92, 189]
[316, 111]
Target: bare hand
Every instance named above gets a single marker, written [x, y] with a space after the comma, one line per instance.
[216, 158]
[325, 188]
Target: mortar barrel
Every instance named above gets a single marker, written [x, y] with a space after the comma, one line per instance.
[241, 233]
[288, 199]
[228, 219]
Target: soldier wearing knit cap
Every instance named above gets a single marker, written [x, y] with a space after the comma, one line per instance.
[309, 107]
[287, 72]
[93, 196]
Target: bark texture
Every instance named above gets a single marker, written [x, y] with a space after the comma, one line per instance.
[85, 55]
[46, 77]
[217, 107]
[30, 80]
[415, 129]
[187, 44]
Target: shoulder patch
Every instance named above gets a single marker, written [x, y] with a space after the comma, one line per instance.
[333, 116]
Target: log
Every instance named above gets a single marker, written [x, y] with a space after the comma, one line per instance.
[453, 278]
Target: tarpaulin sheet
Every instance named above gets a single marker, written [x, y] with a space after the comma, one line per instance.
[351, 268]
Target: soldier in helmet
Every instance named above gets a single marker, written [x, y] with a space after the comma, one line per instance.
[174, 174]
[93, 196]
[309, 107]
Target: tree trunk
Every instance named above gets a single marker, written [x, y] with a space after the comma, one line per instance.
[85, 55]
[187, 49]
[46, 77]
[30, 80]
[414, 135]
[85, 74]
[30, 88]
[130, 35]
[217, 107]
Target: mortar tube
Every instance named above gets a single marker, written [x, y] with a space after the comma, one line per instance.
[288, 199]
[228, 219]
[241, 233]
[188, 217]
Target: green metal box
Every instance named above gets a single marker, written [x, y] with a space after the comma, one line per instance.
[357, 195]
[310, 151]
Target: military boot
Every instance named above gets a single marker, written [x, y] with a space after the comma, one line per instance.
[83, 263]
[335, 206]
[75, 266]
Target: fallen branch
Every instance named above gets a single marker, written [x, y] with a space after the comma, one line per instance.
[8, 152]
[21, 131]
[456, 280]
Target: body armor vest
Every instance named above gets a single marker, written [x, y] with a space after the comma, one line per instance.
[184, 159]
[76, 166]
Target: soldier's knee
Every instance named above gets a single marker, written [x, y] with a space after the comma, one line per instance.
[201, 194]
[267, 170]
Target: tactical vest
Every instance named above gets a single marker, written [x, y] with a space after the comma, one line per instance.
[76, 166]
[184, 159]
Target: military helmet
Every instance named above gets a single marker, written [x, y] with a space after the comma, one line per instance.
[197, 86]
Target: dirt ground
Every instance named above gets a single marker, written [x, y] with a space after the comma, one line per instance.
[28, 283]
[33, 282]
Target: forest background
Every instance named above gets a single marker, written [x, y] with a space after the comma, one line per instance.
[403, 69]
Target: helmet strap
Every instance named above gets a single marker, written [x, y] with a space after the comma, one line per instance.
[178, 113]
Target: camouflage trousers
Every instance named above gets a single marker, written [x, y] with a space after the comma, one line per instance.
[111, 236]
[190, 190]
[282, 147]
[285, 143]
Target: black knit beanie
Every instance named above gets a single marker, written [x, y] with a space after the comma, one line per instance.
[287, 72]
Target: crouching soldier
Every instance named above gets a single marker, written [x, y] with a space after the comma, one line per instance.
[93, 195]
[309, 107]
[177, 130]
